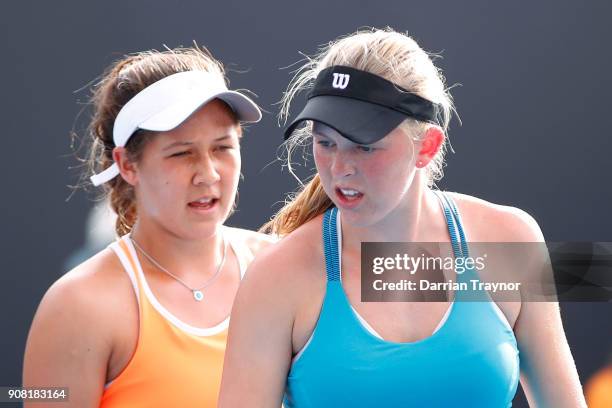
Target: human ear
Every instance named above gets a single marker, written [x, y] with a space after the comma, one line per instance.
[127, 169]
[430, 145]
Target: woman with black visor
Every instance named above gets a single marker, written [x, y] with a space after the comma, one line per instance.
[378, 114]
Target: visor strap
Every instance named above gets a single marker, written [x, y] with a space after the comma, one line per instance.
[106, 175]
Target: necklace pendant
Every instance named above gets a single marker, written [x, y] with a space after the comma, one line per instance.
[198, 295]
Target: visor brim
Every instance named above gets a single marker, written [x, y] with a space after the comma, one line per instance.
[245, 109]
[359, 121]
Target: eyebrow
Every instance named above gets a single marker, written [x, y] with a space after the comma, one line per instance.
[223, 138]
[179, 143]
[189, 142]
[321, 131]
[328, 132]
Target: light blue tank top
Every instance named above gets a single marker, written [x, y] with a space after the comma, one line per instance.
[470, 361]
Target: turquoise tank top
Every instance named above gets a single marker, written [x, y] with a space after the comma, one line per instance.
[470, 361]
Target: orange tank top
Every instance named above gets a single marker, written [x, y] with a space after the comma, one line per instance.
[174, 364]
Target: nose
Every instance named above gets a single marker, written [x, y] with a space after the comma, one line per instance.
[205, 171]
[343, 164]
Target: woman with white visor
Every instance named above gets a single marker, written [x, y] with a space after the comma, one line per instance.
[144, 322]
[377, 112]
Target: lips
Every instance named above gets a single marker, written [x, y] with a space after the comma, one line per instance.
[348, 197]
[349, 192]
[203, 203]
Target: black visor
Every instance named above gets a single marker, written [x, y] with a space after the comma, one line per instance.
[361, 106]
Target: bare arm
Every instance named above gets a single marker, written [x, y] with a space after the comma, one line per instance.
[260, 337]
[548, 373]
[67, 345]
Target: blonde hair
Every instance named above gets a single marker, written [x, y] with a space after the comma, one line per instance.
[386, 53]
[120, 83]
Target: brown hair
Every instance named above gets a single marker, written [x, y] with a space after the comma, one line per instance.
[389, 54]
[120, 83]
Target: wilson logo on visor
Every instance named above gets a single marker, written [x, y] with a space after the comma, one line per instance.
[341, 80]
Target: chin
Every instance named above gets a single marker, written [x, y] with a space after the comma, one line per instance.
[357, 218]
[368, 217]
[199, 228]
[201, 231]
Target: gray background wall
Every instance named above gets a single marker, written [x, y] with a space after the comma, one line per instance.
[535, 81]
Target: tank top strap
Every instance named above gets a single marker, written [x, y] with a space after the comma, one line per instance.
[460, 248]
[121, 250]
[453, 222]
[330, 245]
[243, 253]
[459, 224]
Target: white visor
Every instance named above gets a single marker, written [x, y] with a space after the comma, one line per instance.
[167, 103]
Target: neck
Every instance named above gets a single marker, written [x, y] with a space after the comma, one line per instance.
[418, 218]
[192, 259]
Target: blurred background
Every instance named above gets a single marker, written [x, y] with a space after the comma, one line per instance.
[534, 100]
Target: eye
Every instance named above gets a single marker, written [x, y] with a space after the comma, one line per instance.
[178, 154]
[325, 143]
[222, 148]
[366, 149]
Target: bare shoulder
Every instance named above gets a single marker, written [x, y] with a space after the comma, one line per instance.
[292, 262]
[490, 222]
[88, 297]
[75, 329]
[300, 248]
[494, 223]
[255, 241]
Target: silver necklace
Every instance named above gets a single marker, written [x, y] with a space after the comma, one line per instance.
[197, 292]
